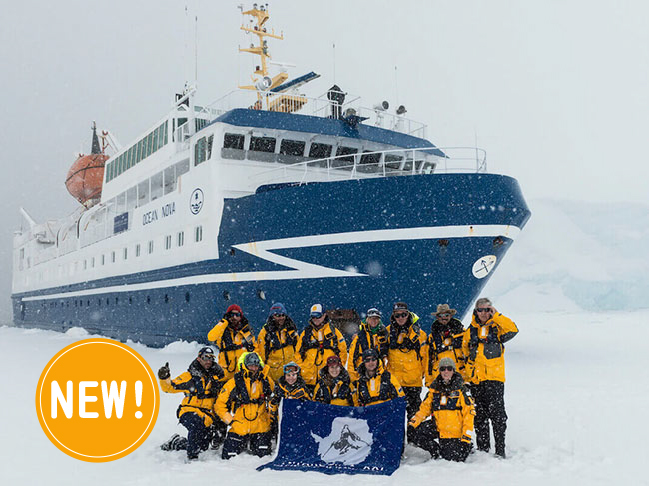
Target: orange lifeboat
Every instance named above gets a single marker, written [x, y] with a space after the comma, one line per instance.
[85, 177]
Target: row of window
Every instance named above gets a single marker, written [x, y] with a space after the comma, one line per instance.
[124, 253]
[107, 301]
[293, 151]
[139, 151]
[156, 186]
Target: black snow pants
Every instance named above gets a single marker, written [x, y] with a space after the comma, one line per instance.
[490, 407]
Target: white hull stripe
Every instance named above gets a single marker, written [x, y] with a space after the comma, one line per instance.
[300, 269]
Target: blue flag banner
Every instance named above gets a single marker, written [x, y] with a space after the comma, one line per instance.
[334, 440]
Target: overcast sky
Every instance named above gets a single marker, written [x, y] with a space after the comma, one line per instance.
[555, 91]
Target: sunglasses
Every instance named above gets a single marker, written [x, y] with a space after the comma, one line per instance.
[278, 315]
[317, 316]
[370, 359]
[483, 309]
[446, 368]
[235, 314]
[401, 314]
[208, 357]
[444, 315]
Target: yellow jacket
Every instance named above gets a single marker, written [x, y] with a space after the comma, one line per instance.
[484, 350]
[378, 389]
[200, 387]
[444, 342]
[451, 407]
[232, 344]
[407, 352]
[365, 339]
[297, 391]
[277, 347]
[244, 403]
[335, 391]
[315, 346]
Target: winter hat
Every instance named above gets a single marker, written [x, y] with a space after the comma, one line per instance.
[252, 359]
[447, 362]
[206, 351]
[482, 302]
[334, 360]
[316, 310]
[373, 312]
[400, 306]
[278, 308]
[370, 353]
[234, 308]
[290, 366]
[444, 309]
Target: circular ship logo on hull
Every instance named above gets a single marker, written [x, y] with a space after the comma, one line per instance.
[196, 201]
[483, 266]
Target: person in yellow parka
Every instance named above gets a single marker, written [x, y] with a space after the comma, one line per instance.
[445, 341]
[483, 346]
[243, 405]
[334, 386]
[407, 350]
[450, 406]
[372, 334]
[318, 341]
[375, 385]
[276, 342]
[233, 337]
[290, 386]
[200, 384]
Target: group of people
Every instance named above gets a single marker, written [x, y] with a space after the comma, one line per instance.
[232, 397]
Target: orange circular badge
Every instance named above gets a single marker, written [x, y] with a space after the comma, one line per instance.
[97, 400]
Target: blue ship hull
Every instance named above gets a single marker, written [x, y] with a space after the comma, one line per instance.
[350, 245]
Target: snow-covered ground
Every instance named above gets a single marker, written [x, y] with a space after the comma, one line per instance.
[576, 390]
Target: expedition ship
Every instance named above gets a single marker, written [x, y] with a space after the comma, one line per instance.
[281, 198]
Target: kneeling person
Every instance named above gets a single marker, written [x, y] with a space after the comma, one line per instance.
[200, 384]
[452, 410]
[243, 405]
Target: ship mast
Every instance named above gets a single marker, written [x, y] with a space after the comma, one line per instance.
[263, 82]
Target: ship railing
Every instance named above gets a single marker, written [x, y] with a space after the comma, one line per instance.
[381, 163]
[320, 107]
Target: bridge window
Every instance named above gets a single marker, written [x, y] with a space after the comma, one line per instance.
[369, 162]
[137, 250]
[168, 242]
[392, 163]
[232, 140]
[320, 150]
[262, 144]
[292, 147]
[344, 162]
[181, 238]
[150, 247]
[198, 233]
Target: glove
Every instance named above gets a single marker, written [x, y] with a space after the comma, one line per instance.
[413, 423]
[163, 373]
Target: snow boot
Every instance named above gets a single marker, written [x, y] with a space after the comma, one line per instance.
[175, 443]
